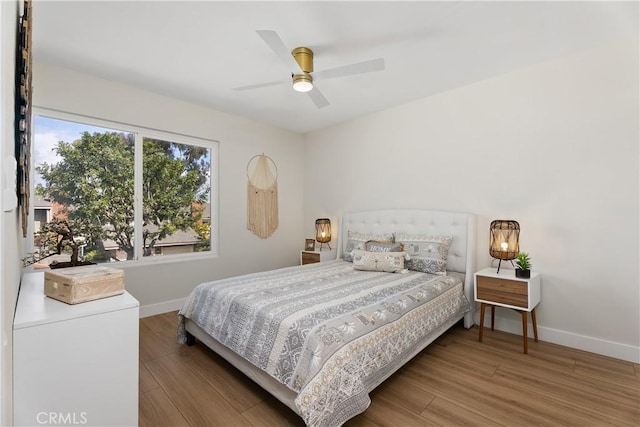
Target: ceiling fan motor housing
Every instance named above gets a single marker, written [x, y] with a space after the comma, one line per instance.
[304, 58]
[301, 72]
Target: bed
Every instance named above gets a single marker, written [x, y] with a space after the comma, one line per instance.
[320, 337]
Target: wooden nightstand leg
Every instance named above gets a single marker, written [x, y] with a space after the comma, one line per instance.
[524, 331]
[535, 324]
[493, 316]
[482, 307]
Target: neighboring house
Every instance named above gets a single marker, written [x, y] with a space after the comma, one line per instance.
[41, 211]
[179, 242]
[44, 210]
[206, 213]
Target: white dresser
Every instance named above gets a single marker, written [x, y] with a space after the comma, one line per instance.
[74, 364]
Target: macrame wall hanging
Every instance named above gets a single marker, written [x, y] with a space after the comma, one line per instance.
[262, 196]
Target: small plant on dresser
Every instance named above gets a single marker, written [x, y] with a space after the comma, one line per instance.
[523, 261]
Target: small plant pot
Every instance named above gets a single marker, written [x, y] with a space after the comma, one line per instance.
[523, 274]
[69, 264]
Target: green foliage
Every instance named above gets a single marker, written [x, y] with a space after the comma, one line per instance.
[94, 182]
[56, 237]
[523, 261]
[171, 188]
[94, 255]
[203, 230]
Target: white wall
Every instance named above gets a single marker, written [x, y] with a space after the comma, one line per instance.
[553, 146]
[240, 139]
[10, 231]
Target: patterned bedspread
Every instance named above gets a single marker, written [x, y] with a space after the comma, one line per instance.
[328, 332]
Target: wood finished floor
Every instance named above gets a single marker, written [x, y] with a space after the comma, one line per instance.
[455, 381]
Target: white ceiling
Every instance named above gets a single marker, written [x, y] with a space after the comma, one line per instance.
[200, 51]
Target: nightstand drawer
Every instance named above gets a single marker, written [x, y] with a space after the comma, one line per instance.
[504, 291]
[310, 258]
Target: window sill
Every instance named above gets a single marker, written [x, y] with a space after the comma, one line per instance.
[151, 260]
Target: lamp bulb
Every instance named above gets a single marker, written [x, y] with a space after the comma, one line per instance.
[504, 246]
[302, 82]
[302, 86]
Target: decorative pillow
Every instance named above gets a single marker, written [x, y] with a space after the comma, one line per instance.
[357, 240]
[382, 246]
[391, 262]
[427, 253]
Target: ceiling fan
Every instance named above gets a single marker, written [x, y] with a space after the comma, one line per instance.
[300, 62]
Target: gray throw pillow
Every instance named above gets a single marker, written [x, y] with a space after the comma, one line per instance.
[427, 253]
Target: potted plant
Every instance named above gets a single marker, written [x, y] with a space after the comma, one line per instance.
[56, 237]
[524, 265]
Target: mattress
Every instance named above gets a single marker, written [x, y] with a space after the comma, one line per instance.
[326, 331]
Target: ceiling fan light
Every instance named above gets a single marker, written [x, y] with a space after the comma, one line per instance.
[302, 82]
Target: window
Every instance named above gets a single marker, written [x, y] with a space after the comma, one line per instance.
[115, 192]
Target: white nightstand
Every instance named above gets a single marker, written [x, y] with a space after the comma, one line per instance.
[504, 289]
[309, 257]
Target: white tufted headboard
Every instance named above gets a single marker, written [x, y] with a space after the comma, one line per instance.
[462, 226]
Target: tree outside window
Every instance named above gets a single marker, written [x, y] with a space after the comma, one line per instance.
[89, 175]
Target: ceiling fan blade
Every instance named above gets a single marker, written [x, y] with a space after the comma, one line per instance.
[258, 85]
[318, 98]
[348, 70]
[273, 40]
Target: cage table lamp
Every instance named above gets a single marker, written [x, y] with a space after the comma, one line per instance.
[323, 231]
[504, 240]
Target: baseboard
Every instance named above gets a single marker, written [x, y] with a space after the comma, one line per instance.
[567, 339]
[163, 307]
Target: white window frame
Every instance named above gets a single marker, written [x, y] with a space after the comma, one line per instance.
[140, 132]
